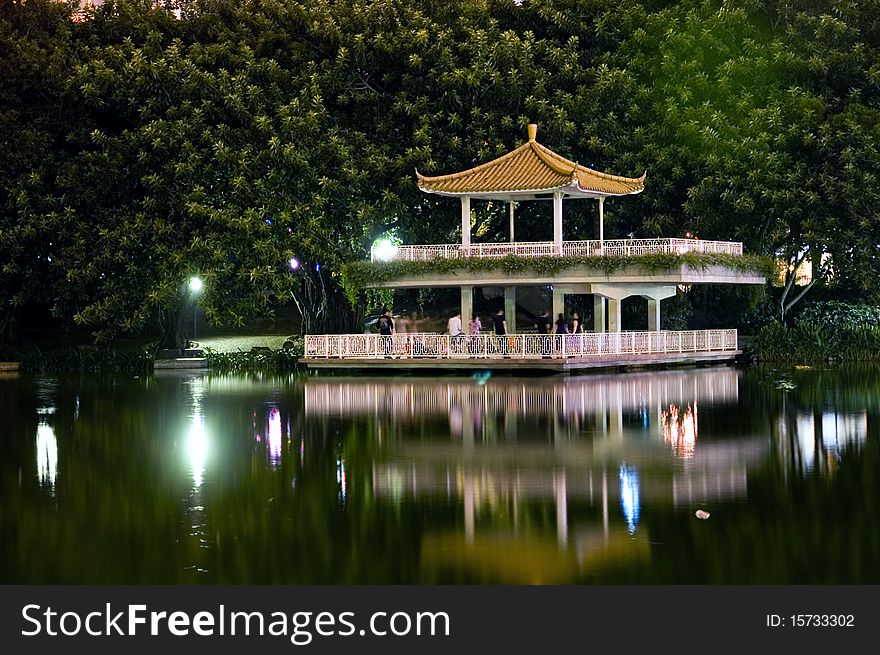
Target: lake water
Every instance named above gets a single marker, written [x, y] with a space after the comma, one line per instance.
[210, 478]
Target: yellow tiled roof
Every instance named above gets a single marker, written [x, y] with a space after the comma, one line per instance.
[531, 167]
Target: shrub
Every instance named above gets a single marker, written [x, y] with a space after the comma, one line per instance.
[836, 314]
[86, 359]
[264, 360]
[807, 341]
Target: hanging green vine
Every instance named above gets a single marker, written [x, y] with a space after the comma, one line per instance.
[357, 276]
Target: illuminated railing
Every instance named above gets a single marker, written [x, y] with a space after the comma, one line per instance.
[516, 346]
[614, 248]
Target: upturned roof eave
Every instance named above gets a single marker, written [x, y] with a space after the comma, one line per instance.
[531, 163]
[570, 190]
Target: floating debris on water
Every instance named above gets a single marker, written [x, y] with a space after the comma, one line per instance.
[702, 514]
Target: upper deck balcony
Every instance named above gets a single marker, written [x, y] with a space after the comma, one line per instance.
[607, 247]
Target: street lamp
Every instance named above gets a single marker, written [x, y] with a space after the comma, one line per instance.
[386, 251]
[195, 287]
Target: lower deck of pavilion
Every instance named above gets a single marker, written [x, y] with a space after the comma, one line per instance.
[519, 352]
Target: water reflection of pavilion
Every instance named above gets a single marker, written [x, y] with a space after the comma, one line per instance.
[607, 447]
[601, 400]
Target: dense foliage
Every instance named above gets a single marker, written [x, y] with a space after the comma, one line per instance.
[140, 148]
[834, 314]
[814, 342]
[84, 359]
[253, 360]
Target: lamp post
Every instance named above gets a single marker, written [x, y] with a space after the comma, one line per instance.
[195, 287]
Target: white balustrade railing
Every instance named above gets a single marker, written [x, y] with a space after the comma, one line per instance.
[516, 346]
[611, 247]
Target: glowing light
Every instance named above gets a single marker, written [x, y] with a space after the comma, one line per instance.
[47, 455]
[294, 263]
[386, 251]
[274, 440]
[197, 449]
[680, 430]
[340, 477]
[195, 284]
[629, 496]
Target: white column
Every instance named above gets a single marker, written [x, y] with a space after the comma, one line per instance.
[558, 304]
[466, 221]
[511, 221]
[598, 313]
[467, 307]
[557, 221]
[510, 309]
[613, 315]
[602, 224]
[653, 315]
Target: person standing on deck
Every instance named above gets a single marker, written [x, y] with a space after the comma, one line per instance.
[500, 326]
[475, 328]
[542, 324]
[386, 330]
[453, 326]
[499, 323]
[561, 326]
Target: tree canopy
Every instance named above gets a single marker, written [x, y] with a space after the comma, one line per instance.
[144, 146]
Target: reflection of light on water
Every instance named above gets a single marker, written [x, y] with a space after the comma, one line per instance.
[680, 429]
[197, 448]
[340, 477]
[274, 440]
[829, 438]
[806, 433]
[47, 454]
[840, 431]
[197, 439]
[629, 496]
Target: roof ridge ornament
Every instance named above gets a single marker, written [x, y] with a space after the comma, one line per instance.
[533, 131]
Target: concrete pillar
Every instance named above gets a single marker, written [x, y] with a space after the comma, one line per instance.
[557, 221]
[511, 221]
[467, 307]
[466, 221]
[653, 315]
[510, 308]
[598, 313]
[613, 315]
[602, 224]
[558, 305]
